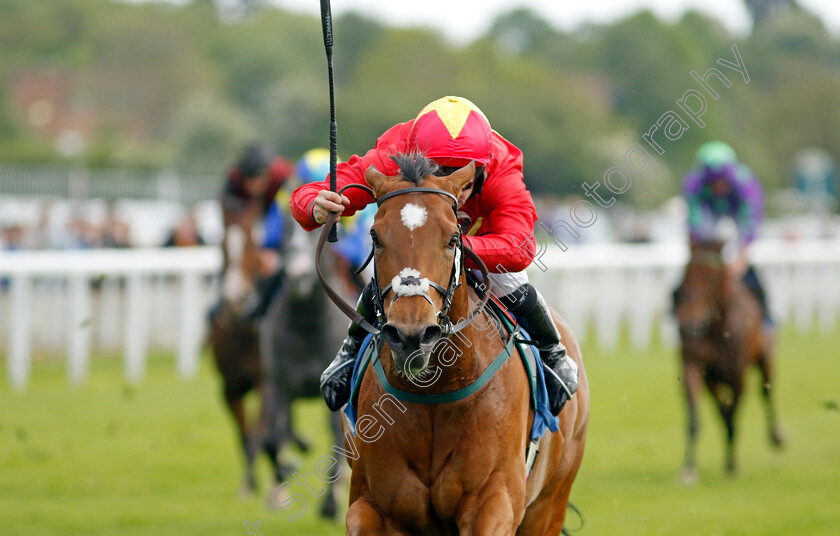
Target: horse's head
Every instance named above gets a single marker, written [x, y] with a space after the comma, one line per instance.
[242, 263]
[417, 253]
[704, 291]
[300, 277]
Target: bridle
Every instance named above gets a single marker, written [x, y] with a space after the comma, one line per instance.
[412, 282]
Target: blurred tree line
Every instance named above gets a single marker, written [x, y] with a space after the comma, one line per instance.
[184, 86]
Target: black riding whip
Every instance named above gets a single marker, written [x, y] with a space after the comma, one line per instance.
[326, 25]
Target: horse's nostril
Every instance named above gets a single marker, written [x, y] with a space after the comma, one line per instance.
[392, 335]
[430, 335]
[405, 339]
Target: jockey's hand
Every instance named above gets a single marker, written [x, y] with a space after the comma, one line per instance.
[738, 267]
[327, 202]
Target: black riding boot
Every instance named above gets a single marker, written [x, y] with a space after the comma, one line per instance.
[753, 283]
[561, 372]
[335, 380]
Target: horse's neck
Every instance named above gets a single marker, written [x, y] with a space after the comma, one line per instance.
[250, 214]
[733, 304]
[723, 302]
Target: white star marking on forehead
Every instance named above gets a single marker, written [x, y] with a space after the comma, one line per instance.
[413, 216]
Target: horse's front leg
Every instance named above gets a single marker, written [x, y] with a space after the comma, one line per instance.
[727, 402]
[329, 508]
[765, 363]
[246, 438]
[692, 382]
[364, 519]
[488, 515]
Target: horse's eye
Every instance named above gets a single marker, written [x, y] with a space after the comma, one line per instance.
[375, 238]
[453, 241]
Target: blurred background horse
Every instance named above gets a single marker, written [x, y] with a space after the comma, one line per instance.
[722, 335]
[300, 334]
[234, 338]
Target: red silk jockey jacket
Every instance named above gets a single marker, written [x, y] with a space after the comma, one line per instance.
[503, 215]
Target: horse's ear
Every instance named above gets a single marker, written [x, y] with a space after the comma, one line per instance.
[376, 179]
[461, 178]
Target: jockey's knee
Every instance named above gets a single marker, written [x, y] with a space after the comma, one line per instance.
[752, 282]
[674, 297]
[521, 301]
[366, 297]
[505, 284]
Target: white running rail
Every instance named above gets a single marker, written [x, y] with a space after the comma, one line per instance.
[58, 299]
[71, 301]
[615, 286]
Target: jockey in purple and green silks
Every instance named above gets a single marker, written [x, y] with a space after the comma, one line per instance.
[720, 186]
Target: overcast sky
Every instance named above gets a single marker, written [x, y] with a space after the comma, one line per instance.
[463, 20]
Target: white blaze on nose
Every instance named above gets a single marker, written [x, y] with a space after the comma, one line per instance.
[413, 216]
[398, 283]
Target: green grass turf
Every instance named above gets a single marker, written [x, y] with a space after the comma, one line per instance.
[161, 458]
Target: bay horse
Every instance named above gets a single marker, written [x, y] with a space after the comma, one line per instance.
[459, 467]
[722, 335]
[299, 336]
[234, 338]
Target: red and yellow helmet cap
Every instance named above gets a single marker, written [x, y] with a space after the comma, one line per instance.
[452, 131]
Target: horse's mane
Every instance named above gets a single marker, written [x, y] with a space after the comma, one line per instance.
[414, 167]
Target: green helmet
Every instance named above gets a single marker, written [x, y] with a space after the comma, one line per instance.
[715, 155]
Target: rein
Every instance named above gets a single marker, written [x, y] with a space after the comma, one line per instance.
[448, 293]
[336, 298]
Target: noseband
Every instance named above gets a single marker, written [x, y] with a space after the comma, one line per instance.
[408, 282]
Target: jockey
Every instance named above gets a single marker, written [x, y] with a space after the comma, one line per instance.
[453, 132]
[251, 184]
[314, 165]
[255, 178]
[720, 186]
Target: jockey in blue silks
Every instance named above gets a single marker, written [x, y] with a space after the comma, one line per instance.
[720, 186]
[313, 166]
[253, 183]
